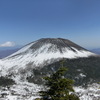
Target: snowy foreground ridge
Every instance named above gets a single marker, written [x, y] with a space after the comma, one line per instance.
[36, 55]
[28, 91]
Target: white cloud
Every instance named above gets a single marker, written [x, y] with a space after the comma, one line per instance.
[7, 44]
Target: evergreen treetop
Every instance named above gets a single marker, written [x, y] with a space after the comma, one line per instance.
[58, 87]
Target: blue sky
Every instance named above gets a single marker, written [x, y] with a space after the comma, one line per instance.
[24, 21]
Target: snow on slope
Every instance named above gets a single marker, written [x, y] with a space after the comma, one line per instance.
[40, 53]
[90, 93]
[29, 91]
[20, 91]
[24, 49]
[38, 57]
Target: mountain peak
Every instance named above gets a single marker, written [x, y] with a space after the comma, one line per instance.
[43, 52]
[58, 42]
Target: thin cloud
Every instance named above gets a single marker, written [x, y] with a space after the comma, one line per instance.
[7, 44]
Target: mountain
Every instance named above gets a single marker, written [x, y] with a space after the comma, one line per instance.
[6, 52]
[41, 53]
[35, 60]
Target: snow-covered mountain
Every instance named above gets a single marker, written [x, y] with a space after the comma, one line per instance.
[40, 58]
[43, 52]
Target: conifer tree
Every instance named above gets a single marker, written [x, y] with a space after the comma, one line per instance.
[58, 87]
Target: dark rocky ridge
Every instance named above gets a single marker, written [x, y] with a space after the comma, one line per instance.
[59, 42]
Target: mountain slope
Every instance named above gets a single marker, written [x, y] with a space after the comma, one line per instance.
[43, 52]
[40, 58]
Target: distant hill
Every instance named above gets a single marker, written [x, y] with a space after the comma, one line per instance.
[5, 53]
[97, 51]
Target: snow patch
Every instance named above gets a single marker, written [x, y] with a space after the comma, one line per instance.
[82, 75]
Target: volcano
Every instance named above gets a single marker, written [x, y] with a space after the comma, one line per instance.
[43, 52]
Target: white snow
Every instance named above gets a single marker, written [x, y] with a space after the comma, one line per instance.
[82, 75]
[21, 91]
[20, 59]
[22, 50]
[29, 91]
[92, 92]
